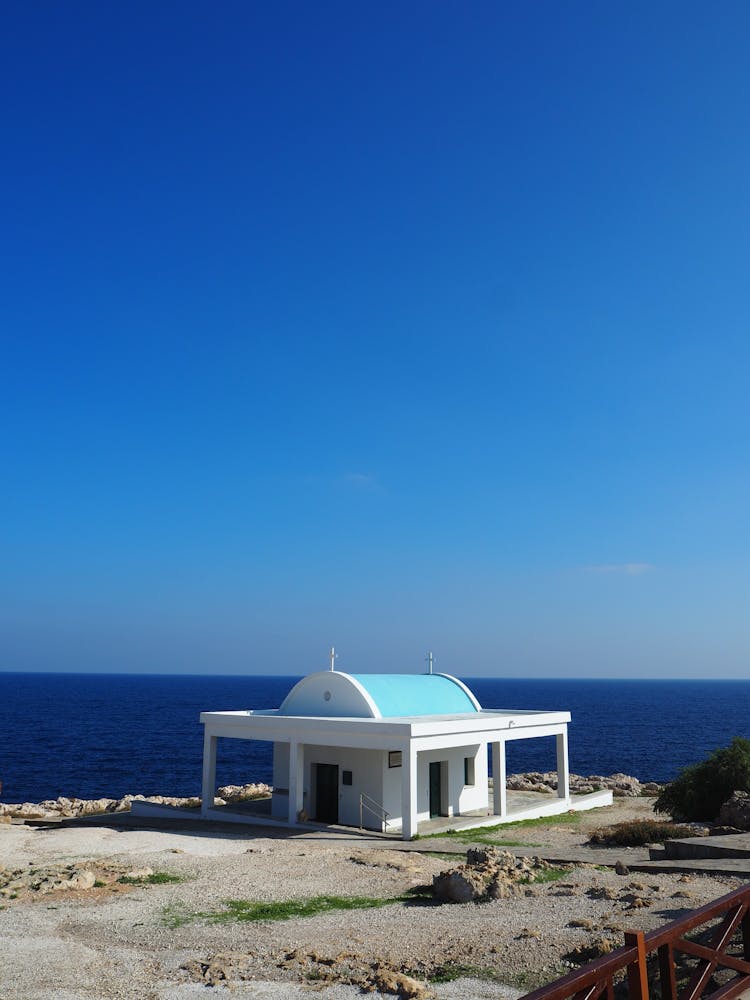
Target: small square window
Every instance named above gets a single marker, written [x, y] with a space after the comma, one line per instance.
[469, 778]
[346, 777]
[394, 758]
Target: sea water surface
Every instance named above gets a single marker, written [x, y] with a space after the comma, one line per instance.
[93, 735]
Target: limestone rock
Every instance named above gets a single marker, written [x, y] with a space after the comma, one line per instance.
[621, 785]
[388, 980]
[736, 811]
[460, 886]
[83, 880]
[489, 873]
[240, 793]
[595, 948]
[136, 873]
[601, 892]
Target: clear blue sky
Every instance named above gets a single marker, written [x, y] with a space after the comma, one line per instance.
[399, 326]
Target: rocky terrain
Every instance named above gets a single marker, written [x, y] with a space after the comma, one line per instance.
[621, 785]
[71, 808]
[96, 911]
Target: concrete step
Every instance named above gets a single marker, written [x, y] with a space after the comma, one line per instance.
[736, 867]
[734, 845]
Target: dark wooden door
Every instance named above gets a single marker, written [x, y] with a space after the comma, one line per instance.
[327, 793]
[436, 805]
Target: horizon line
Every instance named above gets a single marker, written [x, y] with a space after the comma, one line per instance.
[477, 677]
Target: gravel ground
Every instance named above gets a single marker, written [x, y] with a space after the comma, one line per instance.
[131, 944]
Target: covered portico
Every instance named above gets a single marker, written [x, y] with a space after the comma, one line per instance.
[387, 764]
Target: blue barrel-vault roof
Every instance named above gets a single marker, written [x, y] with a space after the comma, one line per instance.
[385, 696]
[416, 694]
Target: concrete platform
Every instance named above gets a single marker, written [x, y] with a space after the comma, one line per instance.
[733, 845]
[521, 806]
[257, 812]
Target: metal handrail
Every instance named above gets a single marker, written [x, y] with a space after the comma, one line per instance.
[375, 808]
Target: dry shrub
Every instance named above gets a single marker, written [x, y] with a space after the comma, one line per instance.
[638, 832]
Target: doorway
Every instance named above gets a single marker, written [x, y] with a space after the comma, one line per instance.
[327, 793]
[436, 802]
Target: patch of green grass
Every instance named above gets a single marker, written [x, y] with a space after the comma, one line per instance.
[566, 817]
[451, 971]
[489, 834]
[417, 892]
[98, 884]
[447, 855]
[177, 915]
[242, 909]
[246, 910]
[546, 875]
[479, 835]
[156, 878]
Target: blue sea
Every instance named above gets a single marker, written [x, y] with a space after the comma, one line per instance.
[93, 735]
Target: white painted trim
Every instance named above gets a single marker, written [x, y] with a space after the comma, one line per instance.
[463, 687]
[499, 778]
[563, 769]
[376, 713]
[208, 780]
[409, 822]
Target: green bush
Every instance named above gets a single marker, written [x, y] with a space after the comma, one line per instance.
[699, 791]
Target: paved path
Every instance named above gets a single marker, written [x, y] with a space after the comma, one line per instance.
[636, 859]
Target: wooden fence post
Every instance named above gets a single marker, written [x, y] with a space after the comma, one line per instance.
[637, 970]
[667, 974]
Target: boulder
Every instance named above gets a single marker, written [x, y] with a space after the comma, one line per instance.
[489, 873]
[139, 873]
[83, 880]
[736, 811]
[463, 885]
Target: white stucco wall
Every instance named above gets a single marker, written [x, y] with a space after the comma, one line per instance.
[328, 694]
[280, 798]
[456, 796]
[367, 777]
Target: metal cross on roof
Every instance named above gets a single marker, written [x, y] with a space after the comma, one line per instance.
[334, 657]
[429, 659]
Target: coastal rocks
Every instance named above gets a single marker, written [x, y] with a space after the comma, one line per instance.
[72, 808]
[736, 811]
[241, 793]
[489, 873]
[621, 785]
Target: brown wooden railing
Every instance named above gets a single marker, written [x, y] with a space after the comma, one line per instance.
[666, 943]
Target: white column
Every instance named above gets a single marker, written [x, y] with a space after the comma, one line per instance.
[409, 792]
[499, 793]
[296, 780]
[563, 774]
[208, 785]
